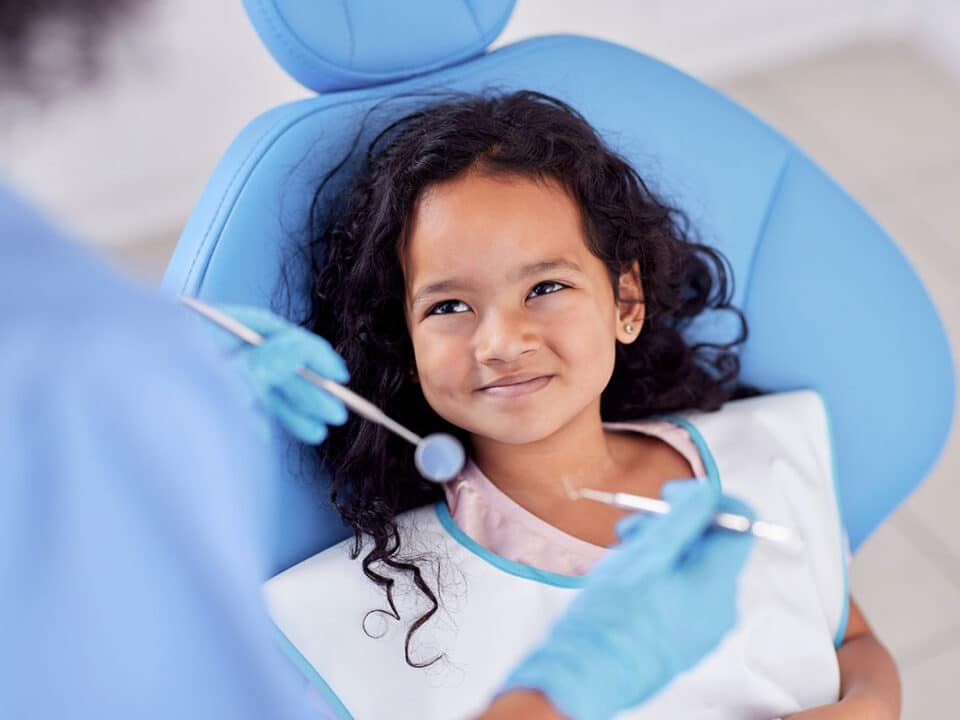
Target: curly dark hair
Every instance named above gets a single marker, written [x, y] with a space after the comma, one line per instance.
[358, 293]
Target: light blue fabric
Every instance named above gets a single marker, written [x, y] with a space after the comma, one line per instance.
[832, 303]
[130, 538]
[340, 45]
[628, 633]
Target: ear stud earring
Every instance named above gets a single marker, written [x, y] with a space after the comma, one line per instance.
[629, 327]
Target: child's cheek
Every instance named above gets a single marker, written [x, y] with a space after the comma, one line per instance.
[583, 336]
[442, 353]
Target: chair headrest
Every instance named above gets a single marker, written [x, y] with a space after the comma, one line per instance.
[330, 46]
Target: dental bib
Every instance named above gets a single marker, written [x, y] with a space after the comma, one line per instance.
[772, 451]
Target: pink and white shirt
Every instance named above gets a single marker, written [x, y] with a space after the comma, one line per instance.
[490, 517]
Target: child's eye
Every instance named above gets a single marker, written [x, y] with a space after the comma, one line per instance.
[547, 288]
[448, 307]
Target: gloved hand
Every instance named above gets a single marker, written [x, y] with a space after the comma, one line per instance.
[271, 371]
[658, 603]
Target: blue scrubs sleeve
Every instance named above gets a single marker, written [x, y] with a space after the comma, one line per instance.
[130, 563]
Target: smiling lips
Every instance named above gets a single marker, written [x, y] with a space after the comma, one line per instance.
[515, 386]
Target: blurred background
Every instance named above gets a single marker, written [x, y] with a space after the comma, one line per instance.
[869, 88]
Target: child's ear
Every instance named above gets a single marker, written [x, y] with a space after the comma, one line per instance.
[630, 306]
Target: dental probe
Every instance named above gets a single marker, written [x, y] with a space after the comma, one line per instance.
[439, 456]
[728, 521]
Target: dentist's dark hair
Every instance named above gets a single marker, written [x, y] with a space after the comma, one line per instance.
[358, 293]
[51, 45]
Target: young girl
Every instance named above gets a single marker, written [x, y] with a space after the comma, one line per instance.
[498, 273]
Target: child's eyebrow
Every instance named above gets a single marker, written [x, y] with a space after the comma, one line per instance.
[452, 285]
[444, 286]
[546, 265]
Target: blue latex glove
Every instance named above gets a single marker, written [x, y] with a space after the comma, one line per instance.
[656, 605]
[271, 371]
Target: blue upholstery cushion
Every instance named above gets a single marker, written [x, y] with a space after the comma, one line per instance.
[336, 45]
[832, 304]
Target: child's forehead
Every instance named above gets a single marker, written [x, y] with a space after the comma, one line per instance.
[477, 191]
[494, 222]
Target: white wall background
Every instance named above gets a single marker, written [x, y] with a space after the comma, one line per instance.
[125, 161]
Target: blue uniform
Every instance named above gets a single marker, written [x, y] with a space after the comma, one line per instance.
[129, 546]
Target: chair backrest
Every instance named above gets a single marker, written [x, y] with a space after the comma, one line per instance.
[832, 304]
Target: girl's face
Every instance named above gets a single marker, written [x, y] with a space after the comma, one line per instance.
[513, 320]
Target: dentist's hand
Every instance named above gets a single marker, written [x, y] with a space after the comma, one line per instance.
[271, 370]
[654, 607]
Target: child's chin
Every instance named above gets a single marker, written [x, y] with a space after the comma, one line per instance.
[516, 432]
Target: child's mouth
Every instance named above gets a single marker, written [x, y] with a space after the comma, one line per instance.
[516, 388]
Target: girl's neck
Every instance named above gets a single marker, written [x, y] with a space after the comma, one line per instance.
[533, 473]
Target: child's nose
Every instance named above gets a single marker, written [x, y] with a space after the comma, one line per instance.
[503, 337]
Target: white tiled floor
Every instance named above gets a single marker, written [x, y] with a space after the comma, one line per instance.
[885, 122]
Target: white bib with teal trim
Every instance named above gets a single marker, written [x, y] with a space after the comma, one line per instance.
[772, 451]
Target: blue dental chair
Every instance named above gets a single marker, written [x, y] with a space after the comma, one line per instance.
[831, 302]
